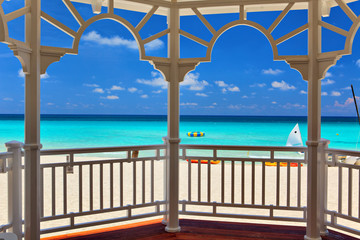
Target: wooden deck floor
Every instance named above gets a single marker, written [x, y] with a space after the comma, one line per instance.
[199, 229]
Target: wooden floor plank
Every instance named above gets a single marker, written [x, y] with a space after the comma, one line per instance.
[200, 229]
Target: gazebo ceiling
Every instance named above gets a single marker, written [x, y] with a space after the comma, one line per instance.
[208, 6]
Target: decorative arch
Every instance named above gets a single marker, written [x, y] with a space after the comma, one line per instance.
[107, 16]
[351, 35]
[236, 23]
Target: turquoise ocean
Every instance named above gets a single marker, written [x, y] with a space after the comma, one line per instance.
[77, 131]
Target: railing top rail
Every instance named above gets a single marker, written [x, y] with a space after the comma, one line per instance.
[99, 149]
[5, 154]
[246, 148]
[343, 152]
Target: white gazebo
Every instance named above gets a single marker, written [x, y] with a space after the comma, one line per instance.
[35, 58]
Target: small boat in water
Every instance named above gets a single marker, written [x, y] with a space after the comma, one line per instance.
[294, 140]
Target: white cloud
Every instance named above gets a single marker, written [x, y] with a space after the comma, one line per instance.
[328, 74]
[192, 80]
[211, 106]
[157, 92]
[240, 106]
[327, 82]
[188, 104]
[335, 94]
[346, 88]
[154, 45]
[282, 85]
[358, 63]
[201, 94]
[221, 83]
[274, 102]
[98, 90]
[117, 88]
[258, 85]
[50, 104]
[112, 97]
[227, 87]
[95, 37]
[8, 99]
[91, 85]
[234, 89]
[292, 106]
[347, 102]
[244, 96]
[324, 94]
[132, 89]
[271, 71]
[21, 73]
[144, 96]
[157, 81]
[42, 76]
[303, 92]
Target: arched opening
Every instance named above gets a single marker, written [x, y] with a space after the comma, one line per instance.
[242, 80]
[106, 78]
[340, 124]
[12, 97]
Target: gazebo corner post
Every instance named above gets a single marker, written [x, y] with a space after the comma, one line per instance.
[32, 144]
[173, 119]
[314, 121]
[15, 188]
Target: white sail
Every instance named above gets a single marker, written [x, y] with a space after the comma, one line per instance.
[294, 138]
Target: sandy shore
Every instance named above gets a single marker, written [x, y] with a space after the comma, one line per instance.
[215, 188]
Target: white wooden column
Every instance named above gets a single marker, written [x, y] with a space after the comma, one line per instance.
[173, 121]
[32, 124]
[314, 122]
[15, 188]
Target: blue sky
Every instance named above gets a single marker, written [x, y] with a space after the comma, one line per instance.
[106, 77]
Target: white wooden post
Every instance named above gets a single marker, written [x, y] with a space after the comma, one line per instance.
[15, 188]
[314, 121]
[173, 121]
[323, 185]
[32, 123]
[166, 179]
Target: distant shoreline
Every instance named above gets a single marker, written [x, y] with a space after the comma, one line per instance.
[105, 117]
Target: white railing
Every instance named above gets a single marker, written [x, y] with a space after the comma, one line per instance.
[342, 207]
[241, 185]
[4, 175]
[11, 169]
[84, 191]
[93, 186]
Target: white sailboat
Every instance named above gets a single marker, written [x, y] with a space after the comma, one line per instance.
[294, 138]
